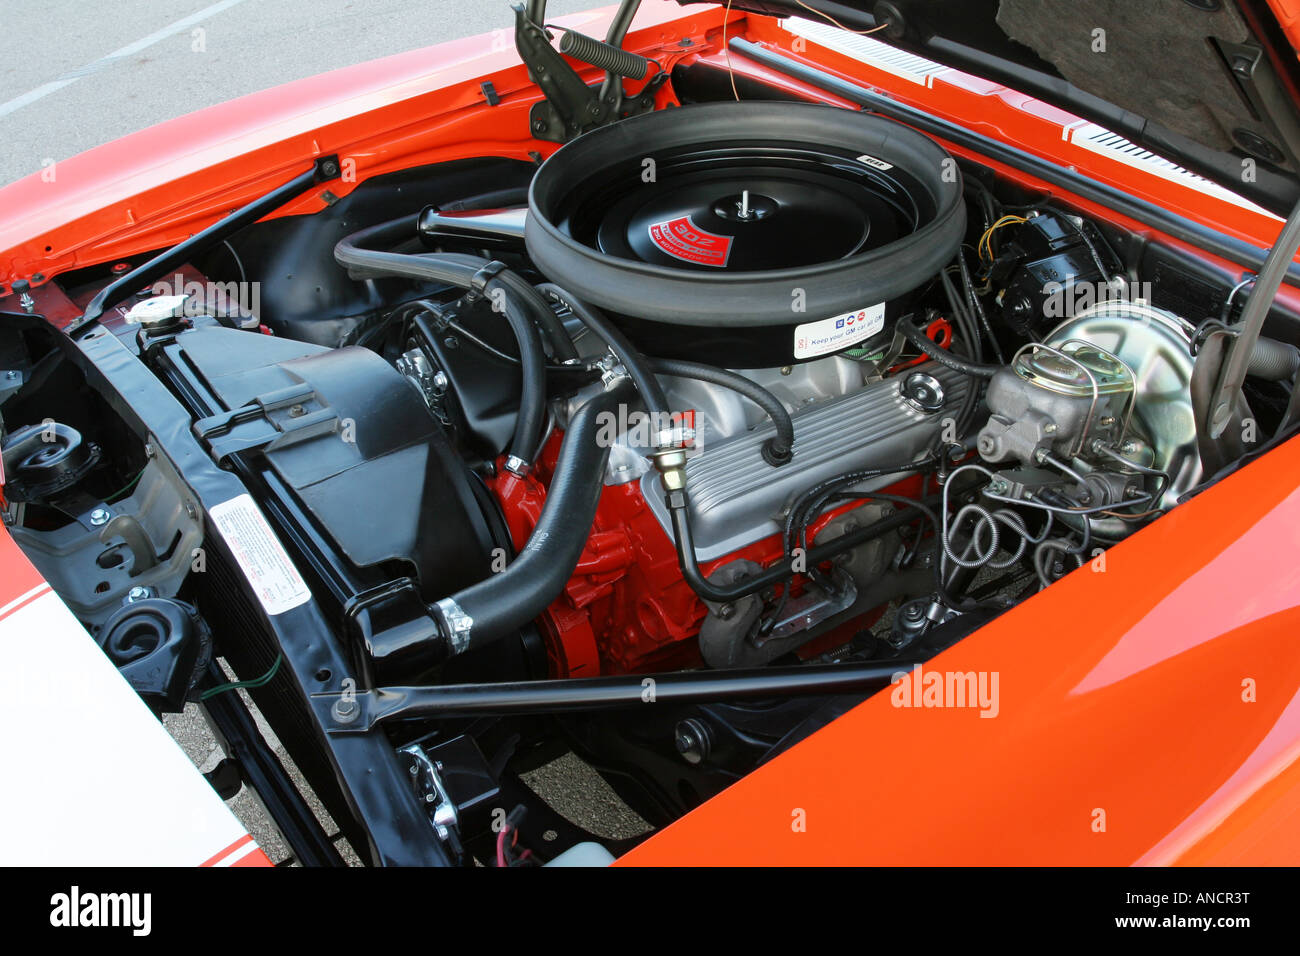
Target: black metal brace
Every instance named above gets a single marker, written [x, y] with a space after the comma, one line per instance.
[361, 711]
[324, 169]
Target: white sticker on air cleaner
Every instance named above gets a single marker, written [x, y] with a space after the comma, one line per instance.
[269, 569]
[838, 332]
[875, 163]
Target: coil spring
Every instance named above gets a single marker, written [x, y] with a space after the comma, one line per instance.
[603, 55]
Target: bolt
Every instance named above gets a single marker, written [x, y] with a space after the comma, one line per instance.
[138, 593]
[100, 516]
[150, 450]
[345, 710]
[786, 369]
[1049, 428]
[727, 611]
[297, 411]
[692, 741]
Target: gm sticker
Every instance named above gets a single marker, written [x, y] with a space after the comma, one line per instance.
[838, 332]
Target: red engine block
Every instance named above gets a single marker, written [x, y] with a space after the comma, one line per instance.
[627, 609]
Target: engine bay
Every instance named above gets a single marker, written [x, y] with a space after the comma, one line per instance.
[737, 409]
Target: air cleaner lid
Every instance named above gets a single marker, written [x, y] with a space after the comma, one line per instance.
[718, 215]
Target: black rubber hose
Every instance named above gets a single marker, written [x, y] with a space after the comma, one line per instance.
[562, 346]
[461, 271]
[423, 307]
[944, 357]
[504, 602]
[776, 450]
[636, 365]
[538, 308]
[451, 268]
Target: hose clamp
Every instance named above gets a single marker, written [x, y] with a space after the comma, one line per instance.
[679, 436]
[457, 625]
[612, 375]
[478, 283]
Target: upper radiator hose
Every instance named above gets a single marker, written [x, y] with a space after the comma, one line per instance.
[499, 605]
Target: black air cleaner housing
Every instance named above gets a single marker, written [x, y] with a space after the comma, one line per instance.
[779, 232]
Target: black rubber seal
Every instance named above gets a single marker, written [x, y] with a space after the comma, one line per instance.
[744, 298]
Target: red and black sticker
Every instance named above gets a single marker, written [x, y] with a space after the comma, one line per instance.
[682, 239]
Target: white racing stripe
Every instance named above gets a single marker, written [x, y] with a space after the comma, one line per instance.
[91, 776]
[235, 855]
[869, 50]
[23, 597]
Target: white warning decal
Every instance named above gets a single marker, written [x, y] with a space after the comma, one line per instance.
[268, 568]
[838, 332]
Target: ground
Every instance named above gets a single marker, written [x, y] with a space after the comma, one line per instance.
[91, 73]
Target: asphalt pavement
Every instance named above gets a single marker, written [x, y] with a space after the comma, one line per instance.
[81, 74]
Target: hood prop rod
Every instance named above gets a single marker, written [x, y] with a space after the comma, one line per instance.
[323, 170]
[1237, 362]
